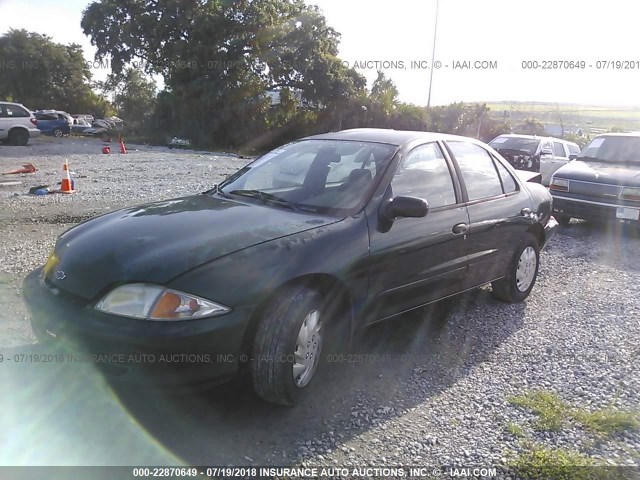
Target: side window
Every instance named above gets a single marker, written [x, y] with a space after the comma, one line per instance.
[508, 183]
[14, 111]
[574, 149]
[558, 149]
[424, 173]
[3, 111]
[478, 171]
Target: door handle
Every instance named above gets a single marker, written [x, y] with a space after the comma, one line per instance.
[525, 212]
[460, 228]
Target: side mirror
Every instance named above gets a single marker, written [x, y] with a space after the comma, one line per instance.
[405, 207]
[546, 153]
[573, 156]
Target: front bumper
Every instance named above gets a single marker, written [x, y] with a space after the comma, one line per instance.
[549, 231]
[589, 209]
[168, 353]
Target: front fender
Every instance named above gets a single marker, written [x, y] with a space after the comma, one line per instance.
[247, 277]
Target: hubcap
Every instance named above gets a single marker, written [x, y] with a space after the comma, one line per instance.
[526, 269]
[307, 352]
[58, 133]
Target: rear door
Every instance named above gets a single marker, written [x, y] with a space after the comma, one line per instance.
[499, 211]
[418, 260]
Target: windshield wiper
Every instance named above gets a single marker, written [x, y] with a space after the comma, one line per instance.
[266, 198]
[589, 159]
[216, 189]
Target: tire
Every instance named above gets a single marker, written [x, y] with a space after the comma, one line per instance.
[18, 137]
[522, 274]
[58, 133]
[281, 371]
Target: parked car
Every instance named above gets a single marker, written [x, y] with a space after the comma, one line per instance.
[603, 183]
[57, 114]
[280, 273]
[17, 124]
[84, 116]
[176, 142]
[536, 154]
[80, 126]
[49, 123]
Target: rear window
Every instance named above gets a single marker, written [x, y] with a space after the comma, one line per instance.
[527, 146]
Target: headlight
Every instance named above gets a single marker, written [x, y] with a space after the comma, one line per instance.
[630, 193]
[559, 184]
[153, 302]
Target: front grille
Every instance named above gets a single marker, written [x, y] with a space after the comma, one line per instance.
[595, 190]
[63, 294]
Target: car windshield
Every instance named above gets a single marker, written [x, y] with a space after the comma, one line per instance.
[524, 145]
[613, 149]
[316, 175]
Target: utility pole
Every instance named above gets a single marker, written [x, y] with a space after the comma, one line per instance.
[433, 53]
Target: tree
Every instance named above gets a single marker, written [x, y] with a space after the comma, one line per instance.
[531, 126]
[43, 74]
[134, 97]
[220, 57]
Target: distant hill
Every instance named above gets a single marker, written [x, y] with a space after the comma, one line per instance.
[588, 118]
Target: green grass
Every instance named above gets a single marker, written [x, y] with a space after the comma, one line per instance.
[515, 429]
[560, 464]
[607, 421]
[571, 114]
[552, 412]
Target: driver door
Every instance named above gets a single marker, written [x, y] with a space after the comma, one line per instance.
[419, 260]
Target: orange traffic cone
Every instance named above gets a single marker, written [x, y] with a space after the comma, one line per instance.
[123, 149]
[66, 186]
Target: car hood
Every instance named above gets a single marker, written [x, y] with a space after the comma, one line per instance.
[599, 172]
[156, 242]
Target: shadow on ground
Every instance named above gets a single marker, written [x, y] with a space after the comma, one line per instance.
[67, 414]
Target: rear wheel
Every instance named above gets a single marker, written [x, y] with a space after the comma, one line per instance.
[18, 137]
[522, 274]
[287, 346]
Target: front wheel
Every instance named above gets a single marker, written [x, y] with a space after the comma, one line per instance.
[287, 346]
[522, 274]
[58, 133]
[18, 137]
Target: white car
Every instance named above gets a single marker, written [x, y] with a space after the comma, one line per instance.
[17, 124]
[536, 154]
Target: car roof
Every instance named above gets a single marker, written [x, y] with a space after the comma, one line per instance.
[535, 137]
[388, 136]
[13, 103]
[630, 134]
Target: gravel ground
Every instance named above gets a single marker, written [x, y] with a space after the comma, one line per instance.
[438, 391]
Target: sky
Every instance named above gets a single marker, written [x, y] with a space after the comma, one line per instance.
[512, 38]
